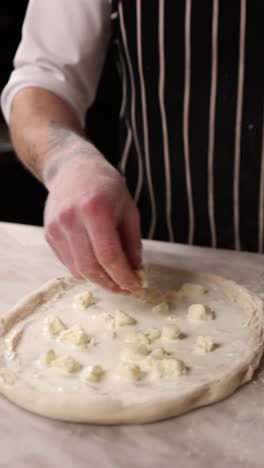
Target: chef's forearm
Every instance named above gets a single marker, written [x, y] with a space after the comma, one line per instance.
[42, 127]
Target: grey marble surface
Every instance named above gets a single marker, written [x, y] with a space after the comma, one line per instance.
[229, 434]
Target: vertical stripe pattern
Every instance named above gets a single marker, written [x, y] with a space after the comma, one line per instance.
[145, 123]
[212, 124]
[124, 88]
[239, 119]
[164, 120]
[186, 118]
[191, 118]
[125, 152]
[133, 104]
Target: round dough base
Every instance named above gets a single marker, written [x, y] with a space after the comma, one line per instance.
[149, 406]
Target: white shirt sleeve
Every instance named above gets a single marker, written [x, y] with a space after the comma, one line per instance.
[63, 48]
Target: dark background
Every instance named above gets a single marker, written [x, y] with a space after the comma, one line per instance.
[22, 197]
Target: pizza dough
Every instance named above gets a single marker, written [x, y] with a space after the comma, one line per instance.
[75, 352]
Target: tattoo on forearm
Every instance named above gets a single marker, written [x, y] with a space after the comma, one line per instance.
[59, 135]
[54, 165]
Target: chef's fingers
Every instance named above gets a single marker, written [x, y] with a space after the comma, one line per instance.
[108, 249]
[130, 234]
[85, 261]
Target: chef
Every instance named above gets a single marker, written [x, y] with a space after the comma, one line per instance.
[191, 162]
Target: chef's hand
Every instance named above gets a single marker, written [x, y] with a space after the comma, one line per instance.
[92, 223]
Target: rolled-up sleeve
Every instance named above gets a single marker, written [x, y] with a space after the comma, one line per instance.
[63, 48]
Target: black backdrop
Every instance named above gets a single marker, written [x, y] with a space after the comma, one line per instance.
[22, 198]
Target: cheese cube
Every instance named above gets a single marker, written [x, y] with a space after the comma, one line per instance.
[92, 374]
[200, 312]
[47, 358]
[172, 367]
[171, 332]
[85, 299]
[165, 367]
[159, 353]
[122, 319]
[75, 335]
[130, 372]
[204, 344]
[138, 337]
[53, 325]
[153, 334]
[66, 363]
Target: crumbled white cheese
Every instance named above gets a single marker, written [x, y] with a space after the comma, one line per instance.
[92, 374]
[165, 367]
[138, 338]
[66, 363]
[75, 335]
[53, 325]
[144, 337]
[171, 332]
[85, 299]
[119, 319]
[122, 319]
[161, 308]
[152, 334]
[204, 344]
[130, 371]
[47, 358]
[200, 312]
[172, 367]
[159, 353]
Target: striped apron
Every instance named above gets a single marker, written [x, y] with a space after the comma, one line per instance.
[191, 118]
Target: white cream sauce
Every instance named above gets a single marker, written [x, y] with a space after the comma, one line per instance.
[27, 341]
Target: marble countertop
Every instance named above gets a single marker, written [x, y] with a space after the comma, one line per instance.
[228, 434]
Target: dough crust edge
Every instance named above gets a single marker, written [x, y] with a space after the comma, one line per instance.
[108, 411]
